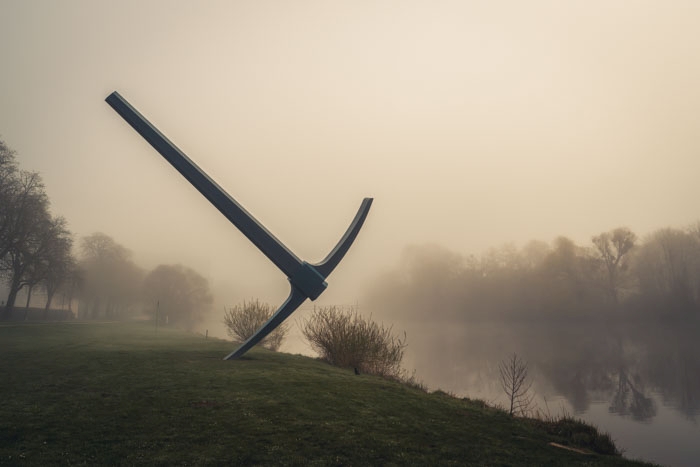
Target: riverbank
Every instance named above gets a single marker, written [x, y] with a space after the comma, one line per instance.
[126, 394]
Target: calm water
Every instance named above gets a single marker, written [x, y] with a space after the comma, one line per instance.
[640, 383]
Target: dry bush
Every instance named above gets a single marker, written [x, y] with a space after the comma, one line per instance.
[244, 319]
[346, 339]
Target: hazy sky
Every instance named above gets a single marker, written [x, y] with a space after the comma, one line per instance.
[471, 123]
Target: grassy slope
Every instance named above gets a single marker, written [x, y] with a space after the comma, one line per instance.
[120, 394]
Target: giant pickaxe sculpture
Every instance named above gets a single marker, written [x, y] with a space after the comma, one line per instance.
[307, 280]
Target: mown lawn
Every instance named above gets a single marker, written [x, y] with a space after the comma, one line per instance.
[120, 394]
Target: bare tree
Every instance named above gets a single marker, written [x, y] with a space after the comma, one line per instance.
[32, 241]
[242, 321]
[516, 384]
[613, 247]
[29, 228]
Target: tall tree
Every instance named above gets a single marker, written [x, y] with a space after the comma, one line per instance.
[29, 224]
[613, 248]
[32, 241]
[24, 205]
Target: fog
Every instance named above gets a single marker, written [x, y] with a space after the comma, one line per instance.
[477, 126]
[470, 123]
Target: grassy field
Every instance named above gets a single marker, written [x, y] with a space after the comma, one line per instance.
[120, 394]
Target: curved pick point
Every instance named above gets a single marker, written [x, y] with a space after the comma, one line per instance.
[329, 263]
[293, 302]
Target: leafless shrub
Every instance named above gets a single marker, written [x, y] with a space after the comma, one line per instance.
[244, 319]
[516, 384]
[346, 339]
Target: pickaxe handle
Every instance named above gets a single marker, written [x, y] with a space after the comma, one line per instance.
[307, 281]
[279, 254]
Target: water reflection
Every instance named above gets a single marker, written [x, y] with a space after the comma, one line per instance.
[625, 366]
[629, 380]
[628, 400]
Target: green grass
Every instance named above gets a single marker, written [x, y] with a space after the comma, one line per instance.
[118, 394]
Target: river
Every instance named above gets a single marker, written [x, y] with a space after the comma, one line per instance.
[640, 383]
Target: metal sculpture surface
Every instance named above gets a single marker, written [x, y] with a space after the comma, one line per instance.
[306, 280]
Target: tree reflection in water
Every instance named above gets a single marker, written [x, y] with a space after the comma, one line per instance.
[628, 400]
[618, 376]
[629, 367]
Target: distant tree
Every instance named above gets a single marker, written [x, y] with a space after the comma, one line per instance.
[694, 231]
[111, 281]
[428, 277]
[613, 248]
[497, 260]
[668, 269]
[101, 247]
[564, 279]
[516, 383]
[73, 286]
[569, 278]
[60, 265]
[534, 253]
[183, 294]
[344, 338]
[243, 320]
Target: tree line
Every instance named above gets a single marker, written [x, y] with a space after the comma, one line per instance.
[617, 273]
[101, 278]
[112, 286]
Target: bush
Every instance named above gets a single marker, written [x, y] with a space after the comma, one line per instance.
[242, 321]
[346, 339]
[578, 433]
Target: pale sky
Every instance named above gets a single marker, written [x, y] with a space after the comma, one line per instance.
[471, 123]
